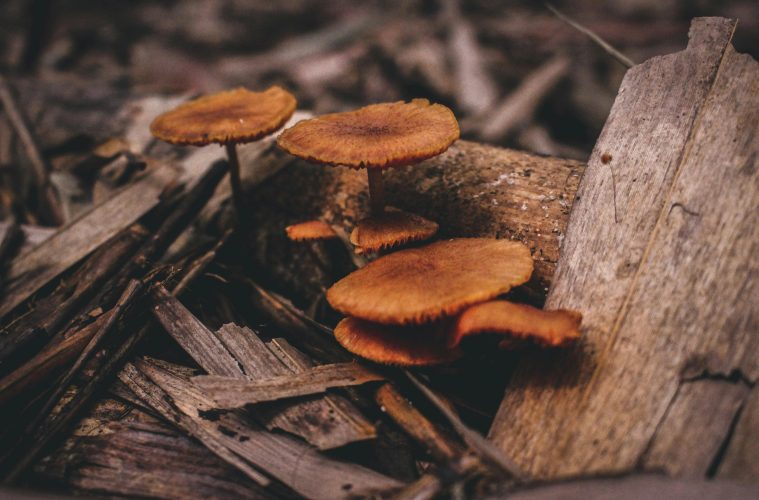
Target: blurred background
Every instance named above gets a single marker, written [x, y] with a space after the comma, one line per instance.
[513, 72]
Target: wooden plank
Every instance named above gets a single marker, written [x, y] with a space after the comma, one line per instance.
[739, 461]
[229, 392]
[696, 425]
[34, 269]
[632, 487]
[659, 256]
[293, 462]
[314, 419]
[193, 336]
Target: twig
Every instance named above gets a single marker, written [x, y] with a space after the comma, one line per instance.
[478, 443]
[8, 246]
[41, 435]
[50, 205]
[620, 57]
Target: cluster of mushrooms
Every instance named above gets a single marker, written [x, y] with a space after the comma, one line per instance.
[410, 307]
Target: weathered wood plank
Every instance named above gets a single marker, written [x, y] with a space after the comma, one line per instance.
[34, 269]
[237, 352]
[290, 460]
[660, 256]
[739, 461]
[229, 392]
[697, 423]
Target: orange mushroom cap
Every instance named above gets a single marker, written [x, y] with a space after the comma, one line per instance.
[376, 136]
[313, 230]
[232, 116]
[396, 345]
[519, 321]
[420, 285]
[391, 228]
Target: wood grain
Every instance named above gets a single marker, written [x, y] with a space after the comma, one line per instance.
[229, 392]
[660, 257]
[239, 441]
[238, 353]
[34, 269]
[471, 190]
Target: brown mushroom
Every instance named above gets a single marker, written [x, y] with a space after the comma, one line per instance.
[377, 137]
[439, 341]
[420, 285]
[518, 321]
[313, 230]
[229, 118]
[371, 235]
[396, 345]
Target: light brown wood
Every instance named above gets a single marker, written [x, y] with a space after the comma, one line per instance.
[241, 442]
[660, 257]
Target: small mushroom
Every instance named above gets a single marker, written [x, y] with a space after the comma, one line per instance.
[313, 230]
[371, 235]
[229, 118]
[420, 285]
[518, 321]
[377, 137]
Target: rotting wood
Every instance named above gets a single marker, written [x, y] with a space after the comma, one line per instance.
[43, 263]
[316, 475]
[442, 447]
[33, 441]
[52, 311]
[313, 419]
[471, 190]
[327, 421]
[36, 371]
[660, 258]
[229, 392]
[138, 460]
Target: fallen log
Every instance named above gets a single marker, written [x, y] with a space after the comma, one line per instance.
[471, 190]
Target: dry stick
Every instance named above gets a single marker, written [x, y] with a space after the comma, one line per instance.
[43, 434]
[49, 203]
[475, 441]
[620, 57]
[52, 312]
[193, 202]
[200, 264]
[234, 392]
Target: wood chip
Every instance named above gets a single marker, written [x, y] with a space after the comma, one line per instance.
[229, 392]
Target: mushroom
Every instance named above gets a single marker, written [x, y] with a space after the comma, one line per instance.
[518, 321]
[439, 342]
[313, 230]
[420, 285]
[377, 137]
[228, 118]
[396, 345]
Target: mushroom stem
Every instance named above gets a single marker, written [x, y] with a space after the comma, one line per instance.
[234, 180]
[376, 191]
